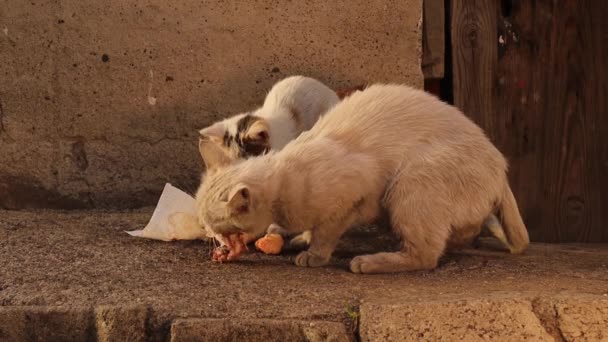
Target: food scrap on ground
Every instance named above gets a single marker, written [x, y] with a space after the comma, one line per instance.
[270, 244]
[236, 245]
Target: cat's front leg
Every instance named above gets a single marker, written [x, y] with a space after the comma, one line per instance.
[316, 255]
[301, 241]
[322, 244]
[276, 229]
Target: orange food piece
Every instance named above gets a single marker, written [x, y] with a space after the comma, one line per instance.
[270, 244]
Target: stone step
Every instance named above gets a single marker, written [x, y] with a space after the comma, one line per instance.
[76, 276]
[541, 319]
[190, 330]
[573, 318]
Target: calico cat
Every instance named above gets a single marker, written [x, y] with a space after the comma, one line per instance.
[388, 147]
[292, 106]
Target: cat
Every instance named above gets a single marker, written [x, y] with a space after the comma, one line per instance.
[388, 147]
[346, 92]
[293, 105]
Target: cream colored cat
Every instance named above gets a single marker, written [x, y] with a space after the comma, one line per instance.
[390, 146]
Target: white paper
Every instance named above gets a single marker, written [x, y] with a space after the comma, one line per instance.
[175, 219]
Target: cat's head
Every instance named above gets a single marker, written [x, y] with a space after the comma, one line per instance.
[241, 136]
[226, 202]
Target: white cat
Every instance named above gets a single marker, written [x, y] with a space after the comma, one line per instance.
[292, 106]
[389, 146]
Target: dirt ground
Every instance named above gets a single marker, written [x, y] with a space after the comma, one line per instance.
[51, 258]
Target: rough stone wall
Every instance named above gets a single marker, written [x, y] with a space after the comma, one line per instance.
[100, 101]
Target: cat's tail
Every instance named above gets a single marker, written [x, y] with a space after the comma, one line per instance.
[515, 232]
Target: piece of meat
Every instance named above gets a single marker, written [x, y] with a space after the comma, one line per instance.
[220, 254]
[235, 246]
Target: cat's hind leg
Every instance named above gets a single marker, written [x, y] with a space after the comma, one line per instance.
[322, 244]
[419, 252]
[419, 215]
[324, 238]
[493, 227]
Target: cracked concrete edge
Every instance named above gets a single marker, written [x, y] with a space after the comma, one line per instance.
[546, 312]
[186, 330]
[559, 318]
[127, 323]
[583, 319]
[50, 323]
[104, 323]
[136, 323]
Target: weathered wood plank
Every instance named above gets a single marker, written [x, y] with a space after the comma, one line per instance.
[568, 39]
[474, 58]
[433, 39]
[534, 75]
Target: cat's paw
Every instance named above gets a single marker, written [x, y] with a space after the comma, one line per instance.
[307, 259]
[301, 241]
[358, 264]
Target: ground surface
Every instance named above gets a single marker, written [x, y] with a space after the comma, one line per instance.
[84, 259]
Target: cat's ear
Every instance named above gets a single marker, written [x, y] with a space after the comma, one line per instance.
[258, 132]
[214, 132]
[212, 153]
[239, 199]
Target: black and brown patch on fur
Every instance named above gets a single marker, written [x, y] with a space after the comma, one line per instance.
[227, 139]
[249, 146]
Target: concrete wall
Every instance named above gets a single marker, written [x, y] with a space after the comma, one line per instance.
[100, 101]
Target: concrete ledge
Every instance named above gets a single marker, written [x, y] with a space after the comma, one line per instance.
[583, 319]
[541, 319]
[46, 324]
[576, 318]
[476, 320]
[76, 276]
[12, 324]
[185, 330]
[116, 323]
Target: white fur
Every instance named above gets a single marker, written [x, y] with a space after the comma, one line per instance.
[307, 96]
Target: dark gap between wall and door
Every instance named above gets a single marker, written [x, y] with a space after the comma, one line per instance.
[437, 59]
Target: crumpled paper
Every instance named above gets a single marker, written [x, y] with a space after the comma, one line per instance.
[175, 219]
